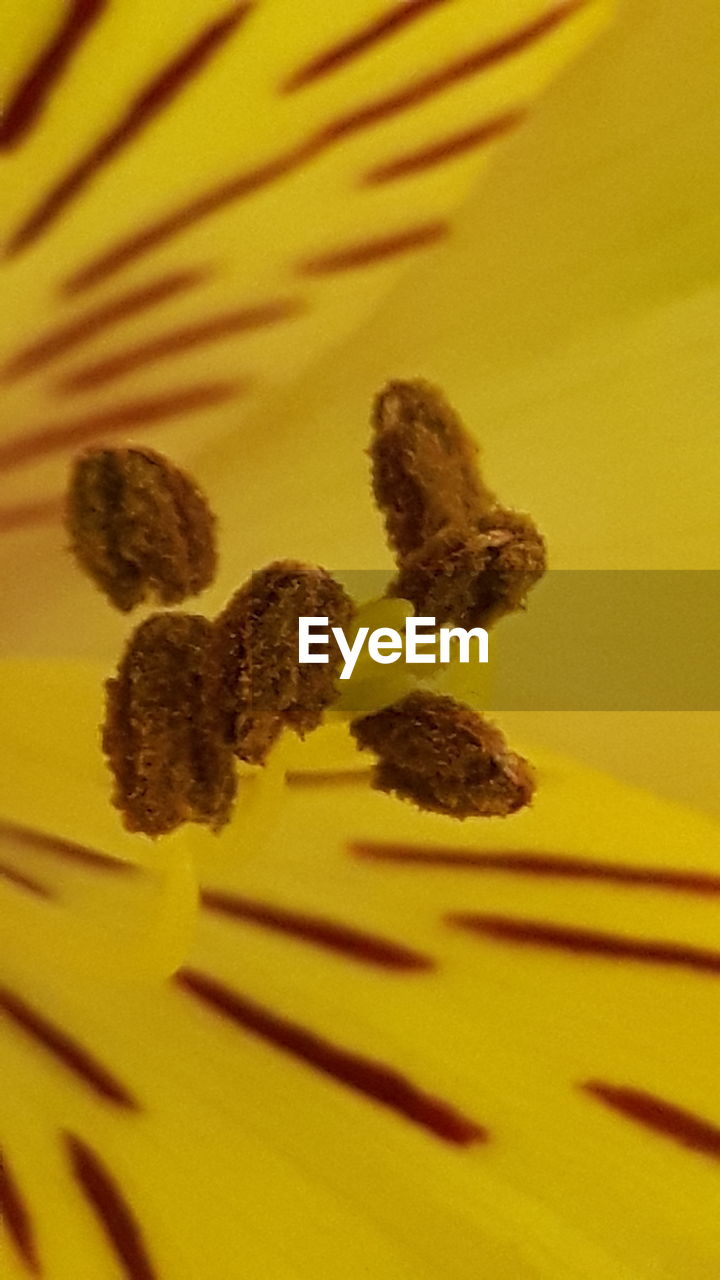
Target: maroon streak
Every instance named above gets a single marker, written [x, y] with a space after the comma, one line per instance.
[111, 1209]
[39, 441]
[683, 1127]
[355, 943]
[542, 865]
[14, 1213]
[33, 92]
[374, 1080]
[470, 64]
[187, 215]
[249, 181]
[65, 1050]
[366, 253]
[202, 333]
[21, 881]
[457, 144]
[327, 777]
[24, 515]
[39, 842]
[86, 327]
[615, 946]
[340, 54]
[160, 92]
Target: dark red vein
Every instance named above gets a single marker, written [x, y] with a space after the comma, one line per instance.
[202, 333]
[39, 842]
[344, 51]
[33, 92]
[55, 342]
[111, 1208]
[470, 64]
[365, 253]
[65, 1050]
[327, 777]
[543, 865]
[156, 233]
[247, 182]
[15, 1214]
[382, 1084]
[144, 108]
[539, 933]
[446, 149]
[355, 943]
[23, 515]
[21, 881]
[39, 441]
[665, 1118]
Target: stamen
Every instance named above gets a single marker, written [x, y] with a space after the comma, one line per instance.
[161, 733]
[445, 757]
[259, 684]
[424, 466]
[461, 556]
[190, 694]
[473, 578]
[140, 527]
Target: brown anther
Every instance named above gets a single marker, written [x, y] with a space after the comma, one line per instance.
[161, 735]
[424, 466]
[139, 526]
[261, 686]
[444, 757]
[474, 577]
[461, 556]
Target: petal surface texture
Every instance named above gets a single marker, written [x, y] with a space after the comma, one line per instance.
[199, 199]
[398, 1047]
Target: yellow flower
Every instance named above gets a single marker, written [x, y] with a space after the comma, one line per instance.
[398, 1048]
[199, 200]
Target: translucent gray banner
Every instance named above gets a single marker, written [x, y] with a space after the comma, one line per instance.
[590, 640]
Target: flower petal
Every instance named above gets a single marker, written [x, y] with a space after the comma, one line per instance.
[295, 1100]
[200, 200]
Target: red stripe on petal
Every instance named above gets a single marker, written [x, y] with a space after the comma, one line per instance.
[21, 881]
[38, 442]
[202, 333]
[15, 1215]
[244, 184]
[588, 942]
[446, 149]
[28, 515]
[543, 865]
[154, 98]
[27, 838]
[367, 253]
[332, 935]
[662, 1117]
[65, 1050]
[327, 777]
[344, 51]
[111, 1207]
[86, 327]
[374, 1080]
[27, 104]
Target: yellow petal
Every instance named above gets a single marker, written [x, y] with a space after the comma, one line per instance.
[573, 322]
[200, 199]
[242, 1146]
[204, 151]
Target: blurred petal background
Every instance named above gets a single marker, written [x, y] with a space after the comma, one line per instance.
[568, 305]
[222, 245]
[533, 999]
